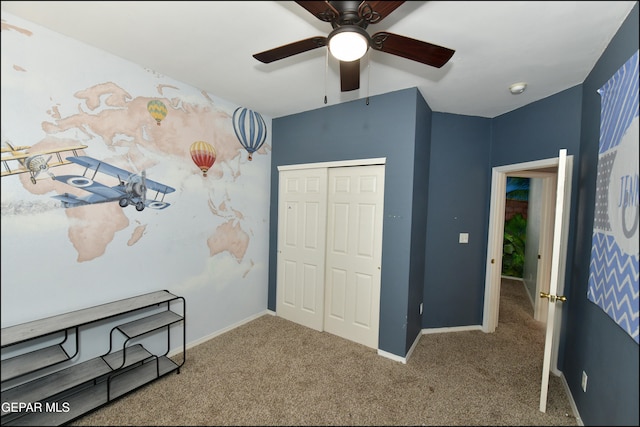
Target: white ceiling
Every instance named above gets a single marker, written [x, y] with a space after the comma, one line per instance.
[551, 45]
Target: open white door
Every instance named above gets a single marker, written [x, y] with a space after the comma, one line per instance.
[558, 264]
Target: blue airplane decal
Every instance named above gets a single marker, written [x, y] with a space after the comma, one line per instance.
[132, 189]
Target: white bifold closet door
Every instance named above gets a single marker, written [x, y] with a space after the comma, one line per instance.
[330, 249]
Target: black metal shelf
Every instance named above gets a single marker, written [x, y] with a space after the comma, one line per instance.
[33, 361]
[148, 324]
[38, 328]
[87, 399]
[64, 395]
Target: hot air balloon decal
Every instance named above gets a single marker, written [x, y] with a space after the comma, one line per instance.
[250, 129]
[157, 109]
[203, 155]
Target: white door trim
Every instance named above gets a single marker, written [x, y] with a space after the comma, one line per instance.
[545, 249]
[335, 164]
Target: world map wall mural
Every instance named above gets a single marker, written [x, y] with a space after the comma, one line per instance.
[105, 195]
[613, 273]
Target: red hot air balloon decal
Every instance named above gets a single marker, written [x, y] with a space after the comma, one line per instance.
[250, 129]
[157, 109]
[203, 155]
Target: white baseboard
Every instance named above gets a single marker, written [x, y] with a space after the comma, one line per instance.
[512, 278]
[392, 356]
[413, 346]
[452, 329]
[192, 344]
[397, 358]
[572, 402]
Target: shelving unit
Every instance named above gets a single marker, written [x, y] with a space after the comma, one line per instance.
[57, 396]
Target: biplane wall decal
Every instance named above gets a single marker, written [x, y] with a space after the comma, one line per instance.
[33, 163]
[131, 190]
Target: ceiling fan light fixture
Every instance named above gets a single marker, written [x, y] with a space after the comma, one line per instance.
[348, 43]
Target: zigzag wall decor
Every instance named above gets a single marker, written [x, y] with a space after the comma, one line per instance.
[613, 271]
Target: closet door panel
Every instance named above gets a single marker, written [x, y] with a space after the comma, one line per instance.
[302, 210]
[355, 203]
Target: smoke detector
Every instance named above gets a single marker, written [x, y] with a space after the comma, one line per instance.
[517, 88]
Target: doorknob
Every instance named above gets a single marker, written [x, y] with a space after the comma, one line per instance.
[553, 298]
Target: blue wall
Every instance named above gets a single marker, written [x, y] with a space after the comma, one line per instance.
[539, 131]
[419, 223]
[459, 193]
[594, 342]
[386, 127]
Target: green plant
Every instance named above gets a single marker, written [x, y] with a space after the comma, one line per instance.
[515, 230]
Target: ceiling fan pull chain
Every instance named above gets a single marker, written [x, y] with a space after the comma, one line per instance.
[368, 73]
[326, 67]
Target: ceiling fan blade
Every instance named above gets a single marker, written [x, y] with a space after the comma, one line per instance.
[323, 10]
[412, 49]
[290, 49]
[349, 75]
[375, 11]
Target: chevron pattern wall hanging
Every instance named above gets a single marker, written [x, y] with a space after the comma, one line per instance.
[613, 271]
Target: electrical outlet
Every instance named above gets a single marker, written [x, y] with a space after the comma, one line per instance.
[420, 308]
[584, 381]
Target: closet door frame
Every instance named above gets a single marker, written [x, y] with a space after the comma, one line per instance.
[288, 313]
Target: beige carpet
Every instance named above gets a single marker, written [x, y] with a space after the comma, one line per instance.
[274, 372]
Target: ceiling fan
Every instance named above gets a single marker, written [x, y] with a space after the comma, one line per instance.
[349, 20]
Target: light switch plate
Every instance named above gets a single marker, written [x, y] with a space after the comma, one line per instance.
[464, 238]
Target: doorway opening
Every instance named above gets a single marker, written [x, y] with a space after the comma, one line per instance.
[558, 171]
[516, 227]
[547, 172]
